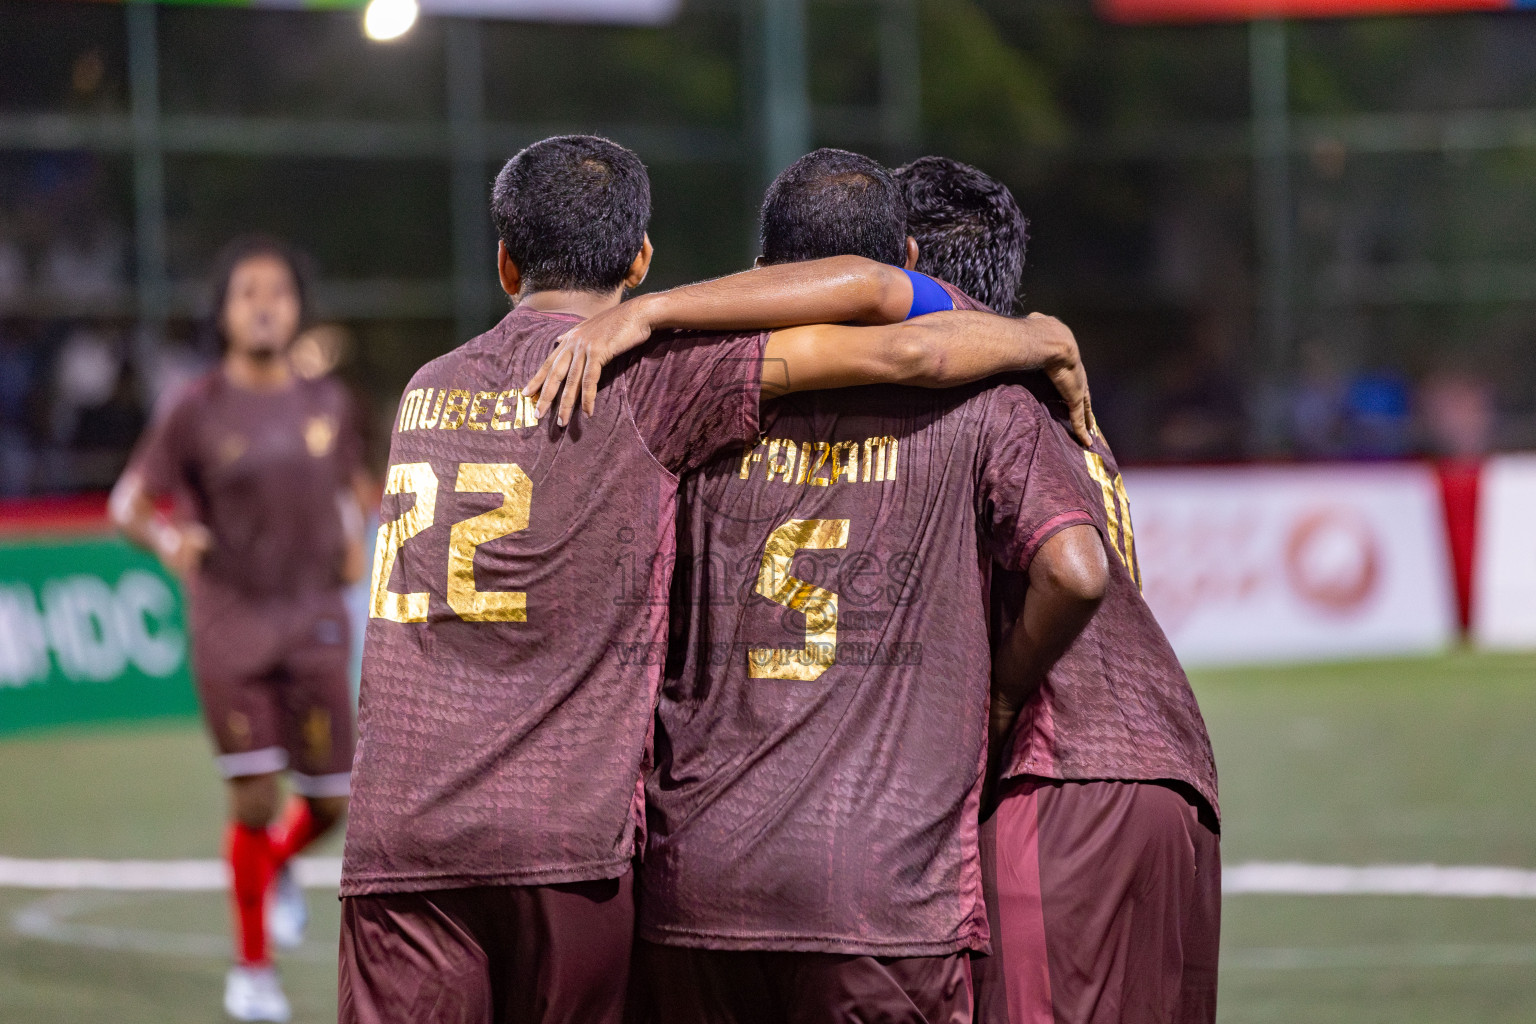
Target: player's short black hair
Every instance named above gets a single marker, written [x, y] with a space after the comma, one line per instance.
[834, 203]
[969, 228]
[246, 247]
[572, 212]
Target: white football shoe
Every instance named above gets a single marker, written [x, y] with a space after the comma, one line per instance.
[288, 914]
[255, 994]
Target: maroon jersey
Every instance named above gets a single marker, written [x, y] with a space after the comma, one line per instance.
[1117, 704]
[263, 471]
[820, 746]
[505, 715]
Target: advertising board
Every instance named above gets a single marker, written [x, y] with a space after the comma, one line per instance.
[1267, 564]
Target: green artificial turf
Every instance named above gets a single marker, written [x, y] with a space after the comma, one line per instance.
[1428, 761]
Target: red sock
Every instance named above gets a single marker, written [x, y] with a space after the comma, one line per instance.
[251, 867]
[295, 830]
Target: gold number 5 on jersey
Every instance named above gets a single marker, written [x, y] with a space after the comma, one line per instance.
[469, 603]
[819, 605]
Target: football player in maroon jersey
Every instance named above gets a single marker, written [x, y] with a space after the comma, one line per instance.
[1101, 853]
[520, 594]
[264, 469]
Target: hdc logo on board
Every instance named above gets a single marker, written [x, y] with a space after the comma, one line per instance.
[89, 629]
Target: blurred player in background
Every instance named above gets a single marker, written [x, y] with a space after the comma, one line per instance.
[1102, 858]
[264, 468]
[518, 608]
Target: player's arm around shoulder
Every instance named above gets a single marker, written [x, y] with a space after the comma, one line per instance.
[937, 350]
[945, 349]
[841, 289]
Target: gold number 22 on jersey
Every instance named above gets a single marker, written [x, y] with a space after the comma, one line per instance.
[468, 603]
[1117, 509]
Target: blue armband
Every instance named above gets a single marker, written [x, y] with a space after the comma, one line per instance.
[928, 296]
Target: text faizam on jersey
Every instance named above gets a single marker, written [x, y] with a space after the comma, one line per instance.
[822, 463]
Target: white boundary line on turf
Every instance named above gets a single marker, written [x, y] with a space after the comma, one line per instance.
[1320, 958]
[148, 875]
[1465, 882]
[49, 919]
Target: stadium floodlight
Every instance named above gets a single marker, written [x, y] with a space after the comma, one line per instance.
[389, 19]
[394, 21]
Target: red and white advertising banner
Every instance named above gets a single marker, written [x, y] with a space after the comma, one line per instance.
[1304, 563]
[1504, 578]
[1146, 11]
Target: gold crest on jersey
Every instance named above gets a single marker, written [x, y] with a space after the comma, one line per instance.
[319, 435]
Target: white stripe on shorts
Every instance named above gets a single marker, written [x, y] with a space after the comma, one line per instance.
[253, 762]
[339, 784]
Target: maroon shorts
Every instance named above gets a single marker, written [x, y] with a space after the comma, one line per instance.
[1105, 905]
[514, 954]
[711, 986]
[274, 682]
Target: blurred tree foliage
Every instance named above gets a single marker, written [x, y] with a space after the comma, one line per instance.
[984, 97]
[1412, 192]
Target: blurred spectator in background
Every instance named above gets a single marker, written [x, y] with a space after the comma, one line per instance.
[87, 81]
[96, 414]
[1378, 420]
[1457, 415]
[1199, 414]
[1317, 404]
[71, 405]
[104, 430]
[176, 364]
[86, 263]
[19, 401]
[13, 265]
[80, 248]
[85, 373]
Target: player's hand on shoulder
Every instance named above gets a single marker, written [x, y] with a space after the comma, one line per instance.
[1065, 369]
[576, 364]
